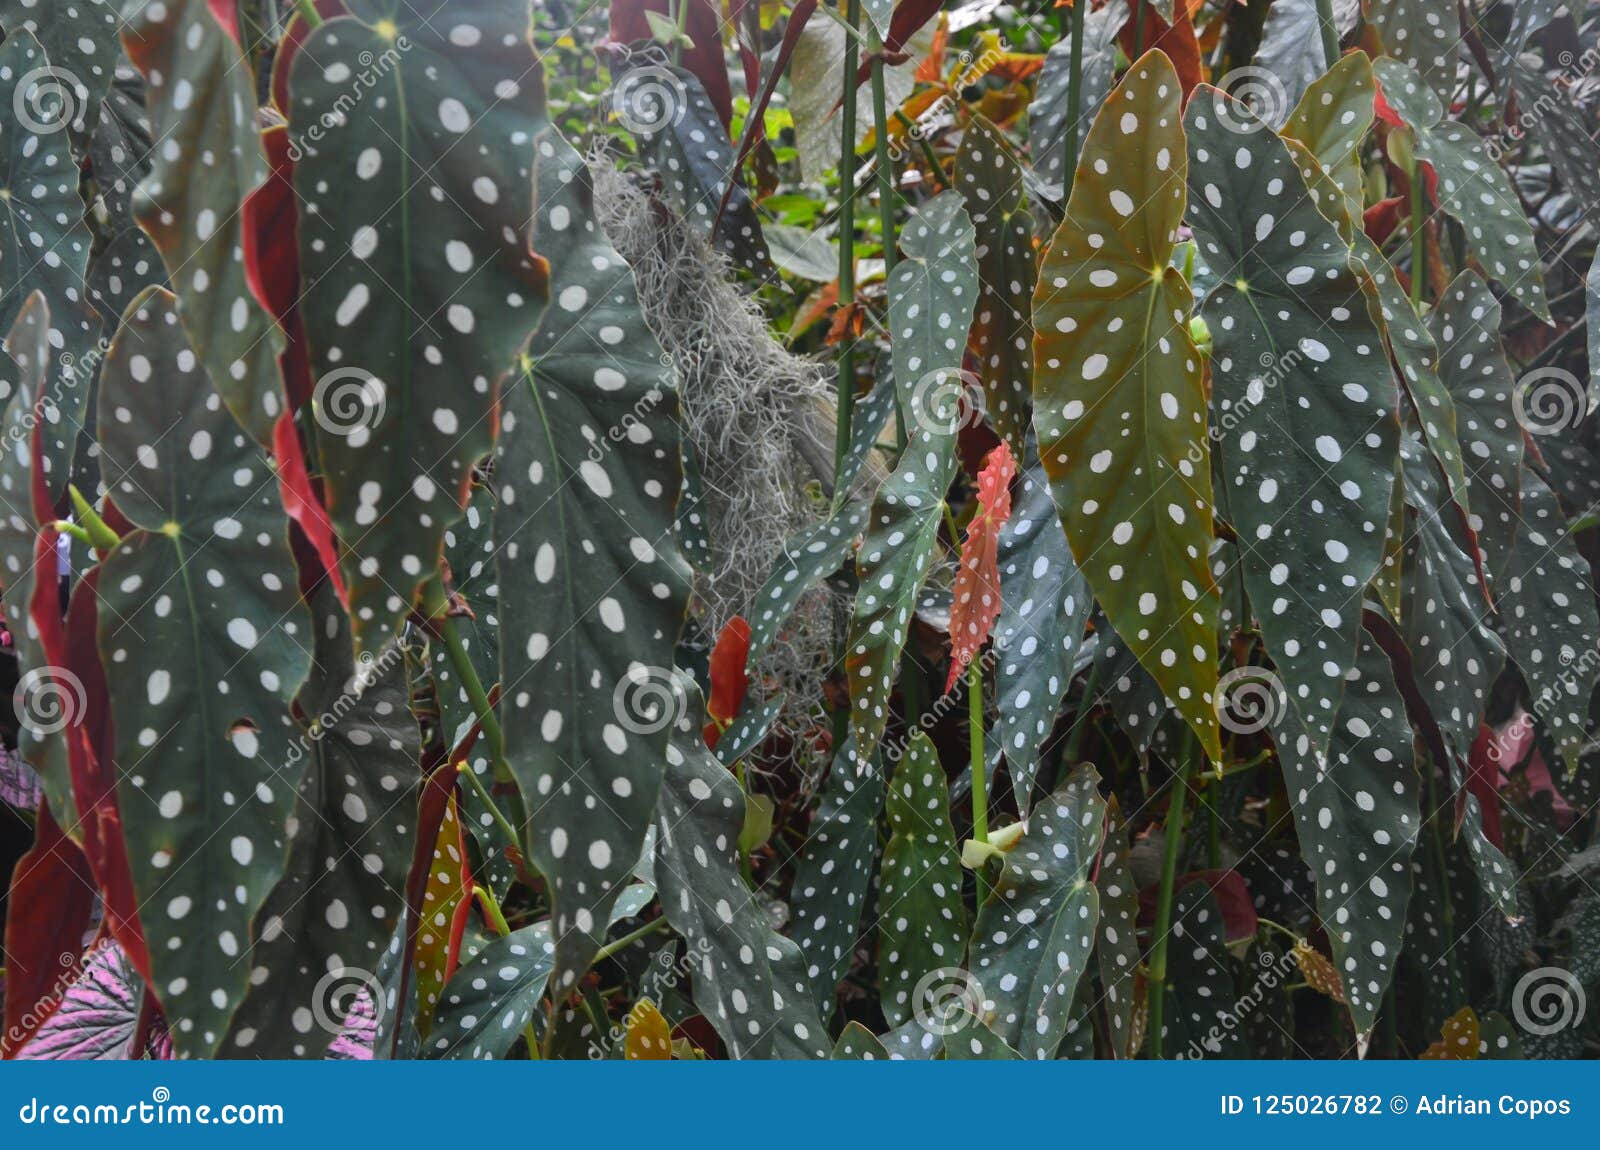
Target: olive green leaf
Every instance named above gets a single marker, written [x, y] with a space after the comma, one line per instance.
[1472, 186]
[749, 981]
[1047, 115]
[833, 875]
[1332, 117]
[1118, 398]
[200, 96]
[1472, 365]
[1547, 610]
[969, 1040]
[858, 1044]
[592, 586]
[414, 252]
[1357, 813]
[1424, 35]
[922, 922]
[1303, 396]
[1117, 941]
[932, 293]
[989, 177]
[79, 38]
[201, 617]
[682, 137]
[1034, 933]
[343, 891]
[1044, 607]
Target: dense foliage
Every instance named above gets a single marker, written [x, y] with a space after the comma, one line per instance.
[876, 529]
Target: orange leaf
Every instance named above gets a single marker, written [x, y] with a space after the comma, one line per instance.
[728, 679]
[1177, 40]
[976, 602]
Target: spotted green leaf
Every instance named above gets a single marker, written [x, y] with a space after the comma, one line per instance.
[833, 875]
[414, 252]
[592, 586]
[1472, 186]
[922, 922]
[1357, 814]
[808, 557]
[1117, 941]
[1330, 119]
[79, 38]
[747, 732]
[1118, 398]
[1565, 132]
[1047, 115]
[1547, 613]
[683, 138]
[1303, 396]
[1291, 50]
[490, 1000]
[989, 177]
[932, 293]
[1201, 1000]
[201, 618]
[1044, 607]
[975, 1042]
[119, 158]
[1423, 34]
[1034, 933]
[858, 1044]
[200, 97]
[1472, 365]
[342, 894]
[749, 981]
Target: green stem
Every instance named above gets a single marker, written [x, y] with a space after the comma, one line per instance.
[1074, 94]
[627, 940]
[880, 133]
[308, 12]
[98, 531]
[847, 238]
[491, 910]
[435, 604]
[1157, 978]
[1138, 30]
[1419, 235]
[1080, 721]
[465, 769]
[980, 785]
[1330, 31]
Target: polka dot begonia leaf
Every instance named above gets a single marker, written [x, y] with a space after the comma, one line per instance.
[932, 294]
[1564, 130]
[201, 621]
[809, 556]
[1047, 115]
[1199, 1020]
[1424, 34]
[79, 38]
[592, 585]
[1331, 118]
[200, 99]
[989, 177]
[833, 875]
[1303, 397]
[1357, 814]
[119, 158]
[1118, 400]
[343, 890]
[1548, 618]
[1472, 188]
[970, 1040]
[1473, 367]
[1038, 639]
[1034, 933]
[420, 285]
[749, 730]
[1292, 51]
[1143, 711]
[688, 145]
[922, 922]
[858, 1044]
[749, 981]
[1117, 933]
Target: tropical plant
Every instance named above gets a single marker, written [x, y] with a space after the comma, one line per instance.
[800, 530]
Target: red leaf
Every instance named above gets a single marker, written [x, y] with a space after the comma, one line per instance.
[1380, 220]
[1483, 778]
[272, 259]
[1227, 887]
[301, 502]
[729, 682]
[976, 602]
[295, 35]
[52, 895]
[1177, 40]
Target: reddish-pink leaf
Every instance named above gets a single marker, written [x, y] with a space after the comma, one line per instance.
[976, 603]
[728, 679]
